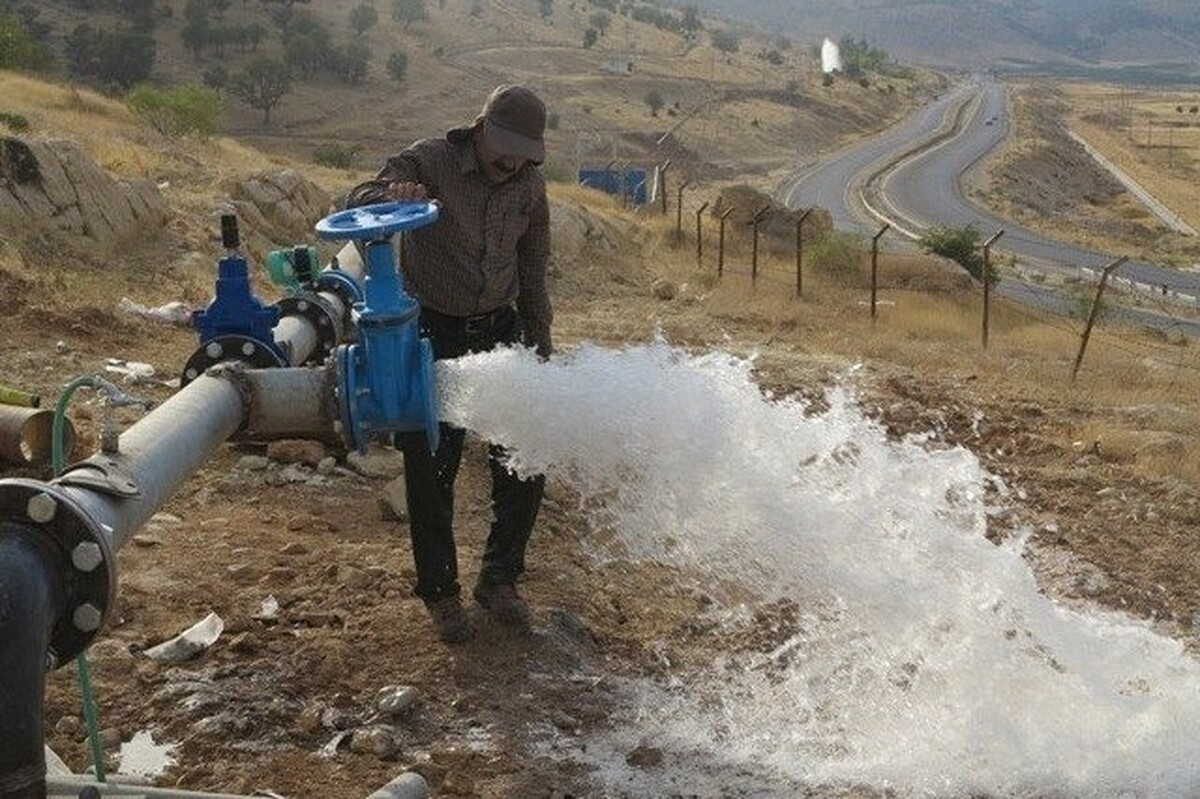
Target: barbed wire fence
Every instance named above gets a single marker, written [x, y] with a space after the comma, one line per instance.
[736, 254]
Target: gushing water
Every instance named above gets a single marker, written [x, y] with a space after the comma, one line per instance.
[926, 661]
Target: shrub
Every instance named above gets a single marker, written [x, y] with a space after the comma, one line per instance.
[837, 254]
[15, 122]
[177, 111]
[397, 65]
[552, 120]
[336, 156]
[960, 245]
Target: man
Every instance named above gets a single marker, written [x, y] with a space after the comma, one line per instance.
[479, 274]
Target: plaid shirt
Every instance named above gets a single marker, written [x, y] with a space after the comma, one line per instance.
[491, 242]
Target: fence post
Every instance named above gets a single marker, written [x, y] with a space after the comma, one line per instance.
[699, 238]
[662, 178]
[679, 213]
[721, 243]
[987, 281]
[875, 266]
[800, 253]
[1087, 331]
[755, 221]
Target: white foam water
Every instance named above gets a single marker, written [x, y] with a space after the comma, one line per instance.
[927, 662]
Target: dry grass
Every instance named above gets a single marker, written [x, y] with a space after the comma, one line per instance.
[1135, 395]
[1144, 133]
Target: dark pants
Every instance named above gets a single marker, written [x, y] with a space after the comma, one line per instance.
[429, 478]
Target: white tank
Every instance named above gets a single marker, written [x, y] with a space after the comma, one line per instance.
[831, 57]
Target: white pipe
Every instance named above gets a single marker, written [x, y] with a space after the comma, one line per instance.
[168, 445]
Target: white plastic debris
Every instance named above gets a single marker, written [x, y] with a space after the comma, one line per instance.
[132, 371]
[172, 313]
[190, 642]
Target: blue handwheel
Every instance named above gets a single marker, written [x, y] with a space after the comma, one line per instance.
[378, 221]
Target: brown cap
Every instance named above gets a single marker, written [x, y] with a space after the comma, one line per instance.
[514, 119]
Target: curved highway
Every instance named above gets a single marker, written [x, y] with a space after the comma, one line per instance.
[911, 174]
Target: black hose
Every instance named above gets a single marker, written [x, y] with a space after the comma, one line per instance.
[32, 595]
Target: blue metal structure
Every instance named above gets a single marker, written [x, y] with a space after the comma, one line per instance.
[236, 324]
[384, 382]
[629, 183]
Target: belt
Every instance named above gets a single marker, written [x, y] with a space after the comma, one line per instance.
[474, 325]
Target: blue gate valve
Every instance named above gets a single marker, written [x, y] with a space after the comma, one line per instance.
[236, 324]
[384, 383]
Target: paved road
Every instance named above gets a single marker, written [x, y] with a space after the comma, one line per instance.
[911, 174]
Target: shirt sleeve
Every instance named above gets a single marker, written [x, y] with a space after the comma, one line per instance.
[533, 254]
[404, 167]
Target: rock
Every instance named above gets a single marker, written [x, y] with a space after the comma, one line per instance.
[393, 504]
[376, 740]
[277, 207]
[69, 726]
[379, 462]
[393, 700]
[644, 756]
[664, 289]
[309, 453]
[293, 548]
[55, 182]
[327, 466]
[253, 463]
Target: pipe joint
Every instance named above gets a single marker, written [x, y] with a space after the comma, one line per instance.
[85, 561]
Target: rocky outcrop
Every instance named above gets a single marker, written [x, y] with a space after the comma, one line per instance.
[55, 183]
[778, 227]
[278, 208]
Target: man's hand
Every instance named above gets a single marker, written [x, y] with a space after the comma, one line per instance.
[400, 192]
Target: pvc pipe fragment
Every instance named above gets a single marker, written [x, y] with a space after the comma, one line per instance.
[26, 434]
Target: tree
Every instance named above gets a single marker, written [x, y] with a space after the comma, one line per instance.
[960, 245]
[600, 21]
[724, 40]
[690, 24]
[655, 101]
[121, 58]
[18, 48]
[397, 65]
[349, 64]
[406, 12]
[262, 84]
[177, 111]
[546, 8]
[363, 17]
[589, 37]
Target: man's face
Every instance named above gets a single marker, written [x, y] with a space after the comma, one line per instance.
[496, 166]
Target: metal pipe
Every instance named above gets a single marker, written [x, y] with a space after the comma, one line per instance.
[167, 446]
[26, 434]
[287, 403]
[31, 584]
[122, 490]
[296, 336]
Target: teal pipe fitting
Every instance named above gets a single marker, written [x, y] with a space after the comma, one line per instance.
[384, 382]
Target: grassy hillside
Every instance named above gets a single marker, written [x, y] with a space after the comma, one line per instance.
[763, 106]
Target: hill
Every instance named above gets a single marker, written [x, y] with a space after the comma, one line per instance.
[749, 98]
[1133, 36]
[1091, 482]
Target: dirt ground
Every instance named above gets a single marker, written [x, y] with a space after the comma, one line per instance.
[312, 574]
[312, 578]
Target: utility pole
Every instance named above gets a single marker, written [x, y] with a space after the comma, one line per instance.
[800, 253]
